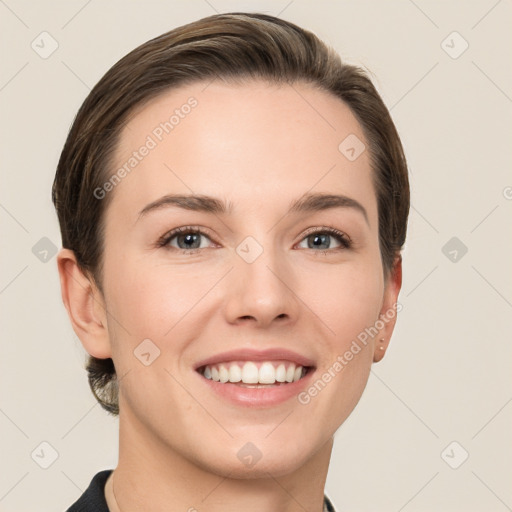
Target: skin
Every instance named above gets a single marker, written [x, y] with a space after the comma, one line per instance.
[258, 146]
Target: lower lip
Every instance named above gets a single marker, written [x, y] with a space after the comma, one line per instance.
[258, 397]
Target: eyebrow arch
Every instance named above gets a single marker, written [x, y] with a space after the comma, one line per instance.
[317, 202]
[198, 203]
[307, 203]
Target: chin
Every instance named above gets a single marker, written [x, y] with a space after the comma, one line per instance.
[268, 465]
[255, 459]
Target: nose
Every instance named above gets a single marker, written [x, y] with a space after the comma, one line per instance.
[261, 292]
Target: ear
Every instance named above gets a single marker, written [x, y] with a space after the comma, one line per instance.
[85, 305]
[389, 310]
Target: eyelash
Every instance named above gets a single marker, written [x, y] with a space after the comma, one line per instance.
[345, 241]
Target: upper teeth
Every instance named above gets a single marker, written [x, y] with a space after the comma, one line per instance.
[249, 373]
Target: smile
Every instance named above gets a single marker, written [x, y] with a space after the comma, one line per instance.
[254, 372]
[256, 378]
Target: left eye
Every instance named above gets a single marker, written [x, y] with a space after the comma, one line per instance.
[321, 239]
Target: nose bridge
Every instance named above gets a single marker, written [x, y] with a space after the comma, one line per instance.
[259, 287]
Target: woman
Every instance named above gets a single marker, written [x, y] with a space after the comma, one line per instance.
[233, 201]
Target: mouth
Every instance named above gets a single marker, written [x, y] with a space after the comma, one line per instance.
[258, 379]
[255, 374]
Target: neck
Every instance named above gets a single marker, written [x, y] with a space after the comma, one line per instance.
[150, 476]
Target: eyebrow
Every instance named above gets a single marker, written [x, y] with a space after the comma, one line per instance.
[307, 203]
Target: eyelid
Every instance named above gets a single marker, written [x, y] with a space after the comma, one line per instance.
[329, 230]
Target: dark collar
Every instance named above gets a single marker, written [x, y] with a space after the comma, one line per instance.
[93, 499]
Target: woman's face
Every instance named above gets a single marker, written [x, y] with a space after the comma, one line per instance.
[255, 277]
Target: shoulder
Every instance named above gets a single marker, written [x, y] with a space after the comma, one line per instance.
[328, 506]
[93, 498]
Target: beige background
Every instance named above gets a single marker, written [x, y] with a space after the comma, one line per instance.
[447, 374]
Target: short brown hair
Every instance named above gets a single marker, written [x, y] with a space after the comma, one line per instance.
[232, 47]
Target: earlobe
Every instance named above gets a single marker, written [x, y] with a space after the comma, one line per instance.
[85, 305]
[389, 310]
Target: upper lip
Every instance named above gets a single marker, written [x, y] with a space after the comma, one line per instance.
[256, 355]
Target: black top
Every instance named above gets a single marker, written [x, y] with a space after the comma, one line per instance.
[93, 499]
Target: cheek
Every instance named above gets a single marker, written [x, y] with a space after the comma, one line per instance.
[346, 299]
[151, 299]
[167, 305]
[349, 305]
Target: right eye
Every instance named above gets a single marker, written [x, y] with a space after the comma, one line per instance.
[187, 239]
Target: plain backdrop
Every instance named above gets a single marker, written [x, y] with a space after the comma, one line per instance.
[432, 430]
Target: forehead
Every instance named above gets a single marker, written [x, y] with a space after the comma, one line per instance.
[253, 144]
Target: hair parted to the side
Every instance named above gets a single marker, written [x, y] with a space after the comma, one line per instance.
[234, 47]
